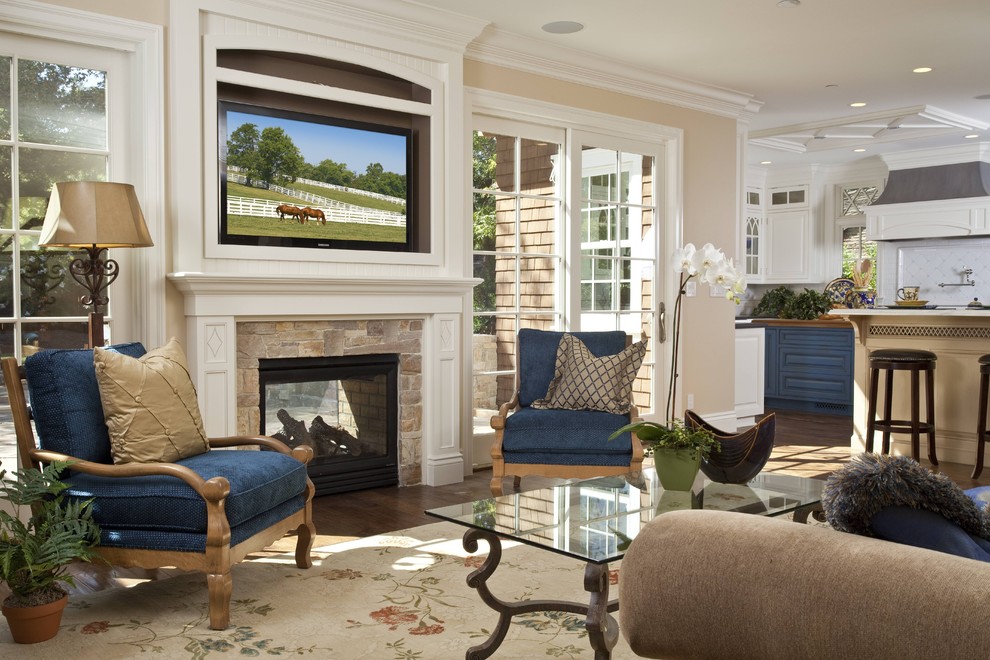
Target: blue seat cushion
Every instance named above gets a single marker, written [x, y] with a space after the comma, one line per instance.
[926, 529]
[65, 401]
[538, 357]
[260, 482]
[565, 437]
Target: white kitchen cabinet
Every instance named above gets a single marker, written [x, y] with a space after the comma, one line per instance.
[778, 237]
[750, 367]
[787, 198]
[787, 245]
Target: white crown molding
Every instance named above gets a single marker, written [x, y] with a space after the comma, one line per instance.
[963, 153]
[41, 20]
[405, 21]
[815, 136]
[514, 51]
[523, 109]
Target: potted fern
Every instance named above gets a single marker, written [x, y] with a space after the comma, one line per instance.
[35, 550]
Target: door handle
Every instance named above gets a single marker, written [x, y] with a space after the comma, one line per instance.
[663, 322]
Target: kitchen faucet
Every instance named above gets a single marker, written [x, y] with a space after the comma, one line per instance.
[966, 272]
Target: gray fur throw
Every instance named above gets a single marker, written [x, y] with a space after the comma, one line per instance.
[871, 482]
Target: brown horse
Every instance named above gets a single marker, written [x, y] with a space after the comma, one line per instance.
[293, 211]
[316, 214]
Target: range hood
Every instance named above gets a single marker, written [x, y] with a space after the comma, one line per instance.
[935, 182]
[934, 199]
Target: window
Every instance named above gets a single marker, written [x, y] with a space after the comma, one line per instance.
[53, 127]
[592, 269]
[517, 219]
[851, 222]
[619, 249]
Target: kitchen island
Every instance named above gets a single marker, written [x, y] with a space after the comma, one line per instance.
[958, 336]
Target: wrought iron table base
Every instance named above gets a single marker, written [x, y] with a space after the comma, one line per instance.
[603, 629]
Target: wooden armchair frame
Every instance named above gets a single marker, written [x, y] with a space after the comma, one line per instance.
[218, 556]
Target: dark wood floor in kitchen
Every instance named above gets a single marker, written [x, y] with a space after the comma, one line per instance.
[806, 444]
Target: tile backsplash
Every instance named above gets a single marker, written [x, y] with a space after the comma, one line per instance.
[926, 263]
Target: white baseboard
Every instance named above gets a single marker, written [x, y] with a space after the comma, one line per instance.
[725, 421]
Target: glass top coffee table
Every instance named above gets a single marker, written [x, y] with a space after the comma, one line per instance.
[594, 520]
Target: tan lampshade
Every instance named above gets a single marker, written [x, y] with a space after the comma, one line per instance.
[87, 213]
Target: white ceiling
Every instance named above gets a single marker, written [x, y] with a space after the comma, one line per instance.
[805, 64]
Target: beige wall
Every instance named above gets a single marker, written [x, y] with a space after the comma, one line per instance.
[149, 11]
[709, 211]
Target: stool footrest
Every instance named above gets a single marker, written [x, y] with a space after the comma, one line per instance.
[902, 426]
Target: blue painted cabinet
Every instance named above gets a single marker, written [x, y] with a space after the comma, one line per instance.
[809, 369]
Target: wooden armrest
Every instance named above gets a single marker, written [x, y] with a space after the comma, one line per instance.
[214, 489]
[302, 453]
[498, 420]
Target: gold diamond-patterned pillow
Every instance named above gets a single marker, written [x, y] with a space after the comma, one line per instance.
[582, 381]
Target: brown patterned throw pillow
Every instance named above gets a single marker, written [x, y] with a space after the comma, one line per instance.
[582, 381]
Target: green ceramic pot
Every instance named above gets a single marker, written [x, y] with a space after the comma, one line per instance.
[676, 468]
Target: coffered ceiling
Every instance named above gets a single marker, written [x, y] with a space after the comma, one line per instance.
[803, 65]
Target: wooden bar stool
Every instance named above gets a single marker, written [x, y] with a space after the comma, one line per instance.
[981, 427]
[914, 361]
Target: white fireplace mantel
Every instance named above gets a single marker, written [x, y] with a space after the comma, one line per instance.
[270, 295]
[215, 303]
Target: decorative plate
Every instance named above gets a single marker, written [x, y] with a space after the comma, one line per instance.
[838, 289]
[910, 303]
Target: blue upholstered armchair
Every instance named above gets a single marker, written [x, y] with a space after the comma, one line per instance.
[204, 512]
[555, 442]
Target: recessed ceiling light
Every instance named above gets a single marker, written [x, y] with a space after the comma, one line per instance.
[857, 104]
[971, 136]
[563, 27]
[860, 150]
[788, 3]
[766, 162]
[922, 69]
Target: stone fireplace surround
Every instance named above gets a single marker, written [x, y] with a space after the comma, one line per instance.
[233, 320]
[334, 338]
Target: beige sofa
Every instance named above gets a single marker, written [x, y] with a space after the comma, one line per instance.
[714, 584]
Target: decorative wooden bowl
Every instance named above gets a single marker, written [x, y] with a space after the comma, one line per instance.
[742, 455]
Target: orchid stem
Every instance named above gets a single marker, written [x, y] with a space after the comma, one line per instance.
[672, 389]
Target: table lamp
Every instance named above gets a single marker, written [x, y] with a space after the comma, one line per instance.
[94, 216]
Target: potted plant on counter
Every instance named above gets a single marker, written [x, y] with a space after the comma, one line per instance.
[676, 449]
[42, 534]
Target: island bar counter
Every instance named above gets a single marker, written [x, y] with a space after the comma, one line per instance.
[958, 337]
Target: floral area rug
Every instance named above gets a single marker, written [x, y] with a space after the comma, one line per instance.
[396, 596]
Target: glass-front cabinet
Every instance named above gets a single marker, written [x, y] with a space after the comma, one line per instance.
[753, 234]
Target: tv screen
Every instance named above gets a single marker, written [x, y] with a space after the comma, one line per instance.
[291, 179]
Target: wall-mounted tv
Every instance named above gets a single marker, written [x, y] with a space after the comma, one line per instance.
[301, 180]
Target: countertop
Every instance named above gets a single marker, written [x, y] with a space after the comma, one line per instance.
[908, 311]
[770, 322]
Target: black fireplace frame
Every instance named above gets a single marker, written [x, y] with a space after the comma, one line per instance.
[342, 474]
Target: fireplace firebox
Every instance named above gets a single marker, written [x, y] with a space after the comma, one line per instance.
[346, 408]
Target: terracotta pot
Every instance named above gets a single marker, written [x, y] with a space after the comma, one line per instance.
[29, 625]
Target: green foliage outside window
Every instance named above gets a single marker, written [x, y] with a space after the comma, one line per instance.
[483, 178]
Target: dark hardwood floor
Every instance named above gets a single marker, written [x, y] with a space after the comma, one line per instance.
[806, 444]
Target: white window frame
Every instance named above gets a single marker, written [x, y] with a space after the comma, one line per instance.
[136, 139]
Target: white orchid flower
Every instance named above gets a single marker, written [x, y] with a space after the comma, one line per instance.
[683, 259]
[706, 258]
[720, 273]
